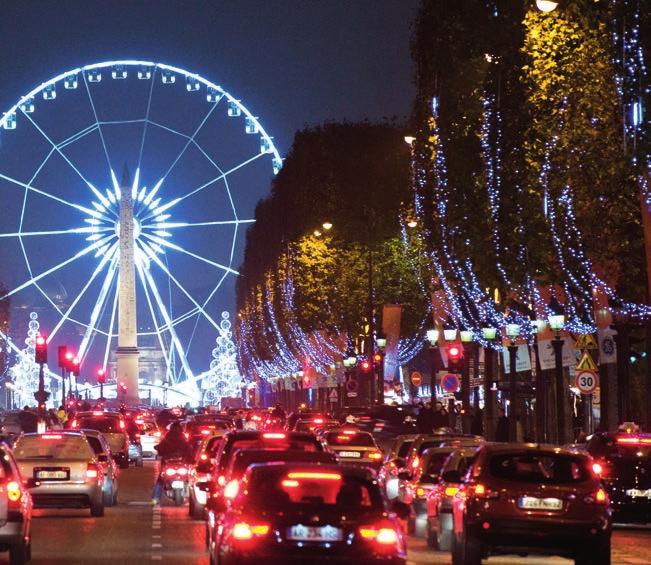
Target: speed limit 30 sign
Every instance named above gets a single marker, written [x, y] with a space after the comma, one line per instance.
[586, 381]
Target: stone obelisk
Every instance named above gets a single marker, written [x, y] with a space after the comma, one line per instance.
[127, 351]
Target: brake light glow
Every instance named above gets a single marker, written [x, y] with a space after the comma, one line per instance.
[376, 455]
[231, 489]
[98, 413]
[203, 457]
[13, 491]
[290, 483]
[140, 422]
[170, 472]
[182, 471]
[205, 432]
[420, 491]
[384, 536]
[318, 420]
[91, 471]
[601, 495]
[156, 434]
[343, 438]
[634, 440]
[274, 435]
[415, 462]
[480, 490]
[52, 436]
[75, 424]
[451, 491]
[221, 480]
[244, 531]
[314, 475]
[597, 468]
[122, 424]
[350, 432]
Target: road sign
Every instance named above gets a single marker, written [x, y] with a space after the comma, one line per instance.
[450, 382]
[586, 341]
[333, 395]
[586, 363]
[351, 394]
[586, 381]
[416, 378]
[351, 385]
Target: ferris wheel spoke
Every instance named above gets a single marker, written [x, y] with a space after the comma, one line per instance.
[190, 139]
[92, 247]
[89, 333]
[214, 290]
[146, 123]
[152, 255]
[42, 192]
[110, 336]
[173, 246]
[173, 225]
[77, 136]
[99, 128]
[176, 343]
[110, 256]
[81, 230]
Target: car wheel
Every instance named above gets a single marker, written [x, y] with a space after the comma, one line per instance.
[457, 558]
[431, 536]
[596, 554]
[178, 497]
[115, 498]
[470, 551]
[18, 554]
[97, 510]
[444, 540]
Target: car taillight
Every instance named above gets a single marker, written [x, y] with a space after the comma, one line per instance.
[481, 491]
[274, 435]
[182, 471]
[599, 497]
[187, 435]
[231, 489]
[170, 472]
[203, 457]
[415, 462]
[221, 480]
[451, 491]
[244, 531]
[375, 455]
[52, 436]
[122, 424]
[597, 469]
[75, 424]
[92, 471]
[205, 432]
[14, 492]
[381, 535]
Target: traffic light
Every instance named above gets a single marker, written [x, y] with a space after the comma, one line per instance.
[40, 349]
[74, 366]
[377, 359]
[455, 357]
[62, 357]
[101, 376]
[365, 366]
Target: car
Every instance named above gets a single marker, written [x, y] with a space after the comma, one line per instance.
[304, 414]
[301, 512]
[415, 486]
[531, 499]
[312, 424]
[353, 447]
[61, 470]
[202, 426]
[11, 423]
[102, 450]
[201, 473]
[623, 461]
[15, 510]
[439, 499]
[150, 436]
[393, 462]
[114, 428]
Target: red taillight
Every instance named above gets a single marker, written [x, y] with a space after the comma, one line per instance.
[122, 424]
[52, 436]
[75, 424]
[343, 438]
[600, 497]
[170, 472]
[187, 435]
[221, 480]
[415, 462]
[634, 440]
[205, 432]
[98, 413]
[274, 435]
[243, 531]
[14, 492]
[451, 491]
[203, 457]
[318, 420]
[231, 489]
[597, 469]
[156, 434]
[375, 455]
[92, 471]
[381, 535]
[481, 491]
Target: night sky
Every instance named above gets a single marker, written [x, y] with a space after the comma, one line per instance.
[292, 63]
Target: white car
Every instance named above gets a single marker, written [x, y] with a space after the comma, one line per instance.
[150, 436]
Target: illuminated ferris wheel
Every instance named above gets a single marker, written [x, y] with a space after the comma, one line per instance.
[196, 156]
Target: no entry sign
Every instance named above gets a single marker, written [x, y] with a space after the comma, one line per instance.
[450, 382]
[416, 378]
[586, 381]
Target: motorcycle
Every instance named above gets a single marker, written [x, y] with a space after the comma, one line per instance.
[174, 473]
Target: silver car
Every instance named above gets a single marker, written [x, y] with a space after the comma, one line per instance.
[61, 470]
[102, 450]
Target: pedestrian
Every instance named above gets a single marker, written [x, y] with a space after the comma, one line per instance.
[502, 428]
[476, 421]
[441, 419]
[28, 420]
[425, 419]
[61, 414]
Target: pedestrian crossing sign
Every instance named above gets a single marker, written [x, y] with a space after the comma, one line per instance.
[586, 341]
[586, 363]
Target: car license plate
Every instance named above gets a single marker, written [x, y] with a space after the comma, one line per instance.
[637, 493]
[56, 475]
[312, 533]
[533, 503]
[353, 454]
[178, 484]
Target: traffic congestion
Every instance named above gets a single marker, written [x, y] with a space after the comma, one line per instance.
[260, 485]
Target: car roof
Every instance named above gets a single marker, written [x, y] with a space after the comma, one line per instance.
[95, 413]
[267, 455]
[493, 448]
[250, 434]
[347, 471]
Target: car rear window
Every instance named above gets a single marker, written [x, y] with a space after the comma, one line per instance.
[542, 468]
[435, 463]
[52, 446]
[308, 444]
[342, 438]
[297, 488]
[404, 448]
[106, 425]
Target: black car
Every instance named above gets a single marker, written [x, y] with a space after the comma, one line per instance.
[300, 513]
[624, 463]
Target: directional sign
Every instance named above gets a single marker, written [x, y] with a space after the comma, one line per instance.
[450, 382]
[586, 341]
[586, 381]
[586, 363]
[416, 378]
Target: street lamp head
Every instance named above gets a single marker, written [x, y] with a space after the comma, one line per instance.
[539, 325]
[409, 139]
[546, 5]
[381, 340]
[466, 336]
[317, 233]
[433, 336]
[556, 314]
[412, 223]
[449, 334]
[327, 225]
[489, 332]
[512, 330]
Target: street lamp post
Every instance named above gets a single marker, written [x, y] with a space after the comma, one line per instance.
[466, 344]
[539, 326]
[381, 343]
[433, 340]
[512, 332]
[450, 335]
[489, 333]
[556, 323]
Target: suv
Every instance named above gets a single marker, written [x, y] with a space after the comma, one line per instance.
[530, 499]
[113, 426]
[624, 463]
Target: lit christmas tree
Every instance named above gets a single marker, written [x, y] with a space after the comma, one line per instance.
[24, 373]
[223, 379]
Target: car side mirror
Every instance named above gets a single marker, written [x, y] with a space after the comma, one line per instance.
[216, 504]
[404, 475]
[103, 458]
[205, 486]
[401, 509]
[452, 476]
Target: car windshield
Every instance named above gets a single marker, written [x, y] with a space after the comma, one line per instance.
[343, 438]
[404, 448]
[101, 424]
[52, 446]
[273, 489]
[543, 468]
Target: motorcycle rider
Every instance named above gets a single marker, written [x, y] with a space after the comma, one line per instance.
[174, 446]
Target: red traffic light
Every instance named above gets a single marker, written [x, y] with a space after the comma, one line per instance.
[40, 340]
[74, 366]
[454, 352]
[365, 365]
[101, 376]
[40, 349]
[377, 357]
